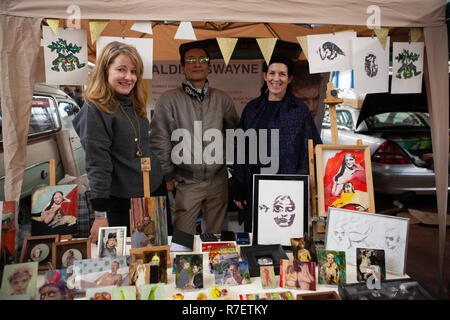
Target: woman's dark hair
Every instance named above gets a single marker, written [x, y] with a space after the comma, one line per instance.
[52, 201]
[184, 48]
[341, 171]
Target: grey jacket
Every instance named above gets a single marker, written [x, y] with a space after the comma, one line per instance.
[177, 110]
[112, 166]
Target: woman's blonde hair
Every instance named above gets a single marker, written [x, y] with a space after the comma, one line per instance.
[102, 94]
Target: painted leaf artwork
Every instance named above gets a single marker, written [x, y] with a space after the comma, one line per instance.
[370, 65]
[330, 52]
[67, 60]
[344, 181]
[407, 67]
[65, 56]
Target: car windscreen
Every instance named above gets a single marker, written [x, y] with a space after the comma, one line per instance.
[398, 120]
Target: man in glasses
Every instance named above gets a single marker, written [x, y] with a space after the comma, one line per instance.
[181, 117]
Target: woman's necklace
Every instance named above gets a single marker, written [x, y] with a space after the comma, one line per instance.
[137, 136]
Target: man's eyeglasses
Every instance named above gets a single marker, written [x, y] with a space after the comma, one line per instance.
[194, 59]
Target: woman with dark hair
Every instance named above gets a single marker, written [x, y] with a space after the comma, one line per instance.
[276, 108]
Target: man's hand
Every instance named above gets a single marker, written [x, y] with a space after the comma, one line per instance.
[170, 186]
[98, 223]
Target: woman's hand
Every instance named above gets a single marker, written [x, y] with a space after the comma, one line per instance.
[240, 204]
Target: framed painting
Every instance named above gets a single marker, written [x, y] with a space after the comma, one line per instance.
[280, 208]
[54, 210]
[263, 255]
[39, 249]
[19, 281]
[145, 255]
[112, 241]
[66, 252]
[348, 230]
[332, 267]
[189, 271]
[344, 178]
[148, 222]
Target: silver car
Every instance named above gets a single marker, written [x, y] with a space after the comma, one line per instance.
[399, 141]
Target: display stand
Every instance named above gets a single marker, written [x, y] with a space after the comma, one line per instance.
[52, 182]
[318, 223]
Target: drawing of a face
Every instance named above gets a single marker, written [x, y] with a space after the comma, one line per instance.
[340, 234]
[392, 239]
[284, 211]
[349, 160]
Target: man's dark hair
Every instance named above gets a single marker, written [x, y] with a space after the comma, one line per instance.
[185, 47]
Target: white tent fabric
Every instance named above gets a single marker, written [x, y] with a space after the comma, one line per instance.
[20, 36]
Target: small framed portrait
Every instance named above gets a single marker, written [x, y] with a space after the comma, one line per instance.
[344, 178]
[232, 273]
[259, 255]
[332, 267]
[19, 281]
[280, 208]
[189, 271]
[304, 249]
[39, 249]
[66, 252]
[112, 242]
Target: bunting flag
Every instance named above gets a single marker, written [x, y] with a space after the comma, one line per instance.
[415, 34]
[53, 24]
[304, 44]
[96, 27]
[382, 34]
[185, 32]
[226, 46]
[143, 26]
[266, 45]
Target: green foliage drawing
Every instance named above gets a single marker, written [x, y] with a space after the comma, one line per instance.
[408, 69]
[66, 59]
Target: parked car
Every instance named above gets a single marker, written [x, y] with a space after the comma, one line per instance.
[397, 130]
[50, 127]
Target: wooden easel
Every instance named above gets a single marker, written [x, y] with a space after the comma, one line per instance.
[52, 182]
[145, 168]
[318, 223]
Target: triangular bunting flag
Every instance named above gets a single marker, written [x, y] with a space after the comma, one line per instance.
[185, 32]
[382, 34]
[304, 44]
[226, 46]
[266, 46]
[415, 34]
[96, 27]
[53, 24]
[142, 26]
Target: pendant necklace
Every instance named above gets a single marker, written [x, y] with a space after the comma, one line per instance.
[137, 136]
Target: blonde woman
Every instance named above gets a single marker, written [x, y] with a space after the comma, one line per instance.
[114, 132]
